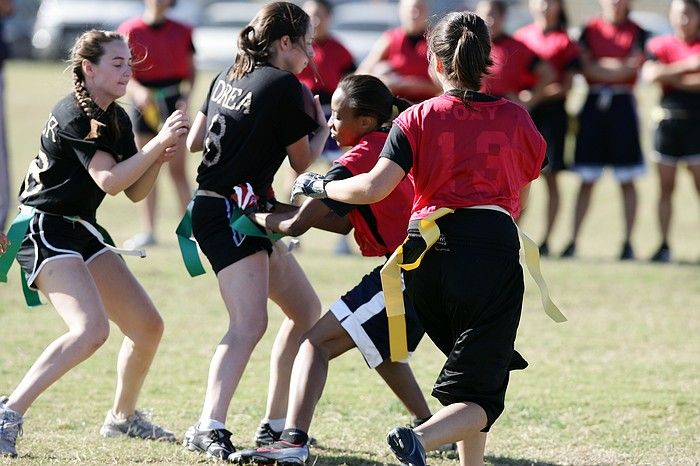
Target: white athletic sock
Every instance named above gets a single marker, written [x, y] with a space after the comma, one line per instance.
[276, 424]
[210, 424]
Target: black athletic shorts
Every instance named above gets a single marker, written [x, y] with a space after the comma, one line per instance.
[608, 132]
[552, 121]
[468, 294]
[52, 237]
[362, 313]
[218, 241]
[677, 138]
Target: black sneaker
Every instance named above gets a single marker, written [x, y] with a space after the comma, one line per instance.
[627, 253]
[215, 443]
[662, 255]
[405, 445]
[569, 251]
[266, 435]
[279, 453]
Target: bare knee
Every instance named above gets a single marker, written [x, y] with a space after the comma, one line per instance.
[91, 336]
[248, 333]
[318, 347]
[152, 326]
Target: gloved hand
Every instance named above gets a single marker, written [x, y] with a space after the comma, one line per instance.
[311, 185]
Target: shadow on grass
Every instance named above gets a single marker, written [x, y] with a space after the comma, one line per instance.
[335, 457]
[505, 461]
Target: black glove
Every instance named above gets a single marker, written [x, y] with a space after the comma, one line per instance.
[311, 185]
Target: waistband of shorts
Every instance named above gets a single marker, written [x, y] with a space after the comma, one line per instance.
[208, 193]
[615, 89]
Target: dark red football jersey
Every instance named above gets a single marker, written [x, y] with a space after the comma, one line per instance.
[333, 61]
[512, 68]
[603, 39]
[670, 49]
[159, 53]
[391, 213]
[408, 57]
[555, 46]
[465, 158]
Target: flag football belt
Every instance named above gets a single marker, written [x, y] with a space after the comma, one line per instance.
[430, 232]
[18, 230]
[239, 222]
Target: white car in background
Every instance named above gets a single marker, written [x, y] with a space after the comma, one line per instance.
[60, 22]
[358, 24]
[216, 36]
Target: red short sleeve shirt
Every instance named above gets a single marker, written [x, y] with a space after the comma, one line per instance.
[465, 158]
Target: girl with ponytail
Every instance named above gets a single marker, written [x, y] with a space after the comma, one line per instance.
[471, 158]
[87, 150]
[252, 119]
[362, 109]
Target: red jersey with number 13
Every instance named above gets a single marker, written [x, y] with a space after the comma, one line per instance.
[469, 157]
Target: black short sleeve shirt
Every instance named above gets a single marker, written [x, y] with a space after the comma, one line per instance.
[57, 180]
[250, 122]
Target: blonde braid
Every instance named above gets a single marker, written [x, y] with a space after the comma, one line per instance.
[88, 106]
[89, 47]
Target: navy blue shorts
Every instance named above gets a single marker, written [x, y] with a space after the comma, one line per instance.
[218, 241]
[52, 237]
[608, 132]
[468, 294]
[362, 314]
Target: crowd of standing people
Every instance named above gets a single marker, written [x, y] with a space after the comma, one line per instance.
[444, 129]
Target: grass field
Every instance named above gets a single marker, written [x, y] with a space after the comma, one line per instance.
[617, 384]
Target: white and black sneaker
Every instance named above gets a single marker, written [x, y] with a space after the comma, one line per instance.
[265, 435]
[281, 453]
[215, 443]
[10, 428]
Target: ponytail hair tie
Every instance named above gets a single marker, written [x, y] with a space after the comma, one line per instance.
[95, 129]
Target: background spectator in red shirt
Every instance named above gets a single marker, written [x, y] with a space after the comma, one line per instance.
[675, 64]
[612, 51]
[517, 72]
[163, 77]
[399, 58]
[547, 37]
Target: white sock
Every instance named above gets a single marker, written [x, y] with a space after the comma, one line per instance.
[276, 424]
[210, 424]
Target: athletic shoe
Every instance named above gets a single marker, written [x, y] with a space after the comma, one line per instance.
[280, 453]
[405, 445]
[627, 253]
[10, 428]
[442, 448]
[215, 443]
[140, 240]
[544, 249]
[569, 251]
[266, 435]
[138, 425]
[662, 255]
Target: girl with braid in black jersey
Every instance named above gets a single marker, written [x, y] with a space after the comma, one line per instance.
[86, 151]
